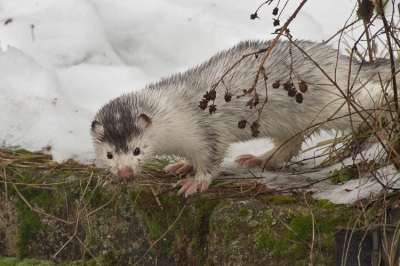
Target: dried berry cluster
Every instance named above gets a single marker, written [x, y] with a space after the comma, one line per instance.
[242, 124]
[228, 97]
[254, 127]
[291, 89]
[253, 101]
[254, 16]
[275, 12]
[211, 96]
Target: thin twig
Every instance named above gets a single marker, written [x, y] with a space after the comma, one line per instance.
[161, 237]
[392, 64]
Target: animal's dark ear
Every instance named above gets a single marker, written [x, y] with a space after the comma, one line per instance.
[143, 121]
[97, 129]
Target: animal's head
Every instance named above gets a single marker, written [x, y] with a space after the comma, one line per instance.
[122, 141]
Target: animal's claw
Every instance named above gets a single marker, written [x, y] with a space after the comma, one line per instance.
[179, 168]
[190, 186]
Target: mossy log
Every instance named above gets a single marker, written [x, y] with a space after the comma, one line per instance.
[74, 215]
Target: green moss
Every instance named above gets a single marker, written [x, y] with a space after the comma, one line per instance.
[245, 214]
[230, 233]
[209, 262]
[269, 218]
[265, 240]
[67, 173]
[158, 217]
[299, 250]
[190, 231]
[39, 198]
[302, 228]
[98, 196]
[201, 228]
[292, 240]
[326, 204]
[29, 223]
[281, 248]
[110, 258]
[107, 259]
[281, 199]
[28, 220]
[8, 261]
[264, 225]
[25, 262]
[342, 175]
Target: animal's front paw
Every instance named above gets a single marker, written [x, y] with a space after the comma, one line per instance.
[249, 160]
[179, 168]
[190, 186]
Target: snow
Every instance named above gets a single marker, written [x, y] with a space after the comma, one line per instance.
[60, 61]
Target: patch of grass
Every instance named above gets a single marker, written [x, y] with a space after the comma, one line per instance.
[158, 164]
[25, 262]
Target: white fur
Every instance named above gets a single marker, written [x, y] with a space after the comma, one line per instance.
[180, 127]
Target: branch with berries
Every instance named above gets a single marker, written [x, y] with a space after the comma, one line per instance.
[255, 100]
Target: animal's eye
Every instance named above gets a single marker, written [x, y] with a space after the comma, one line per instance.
[109, 155]
[136, 152]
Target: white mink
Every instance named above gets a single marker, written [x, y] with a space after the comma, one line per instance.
[164, 117]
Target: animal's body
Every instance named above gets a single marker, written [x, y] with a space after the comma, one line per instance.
[164, 117]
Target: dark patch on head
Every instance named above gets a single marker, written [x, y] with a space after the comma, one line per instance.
[118, 122]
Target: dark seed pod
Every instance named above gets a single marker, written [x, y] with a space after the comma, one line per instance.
[276, 22]
[228, 97]
[275, 11]
[303, 86]
[203, 104]
[292, 93]
[212, 109]
[299, 97]
[276, 85]
[254, 16]
[287, 86]
[210, 96]
[213, 94]
[254, 129]
[242, 124]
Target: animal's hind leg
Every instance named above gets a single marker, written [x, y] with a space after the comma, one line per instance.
[283, 151]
